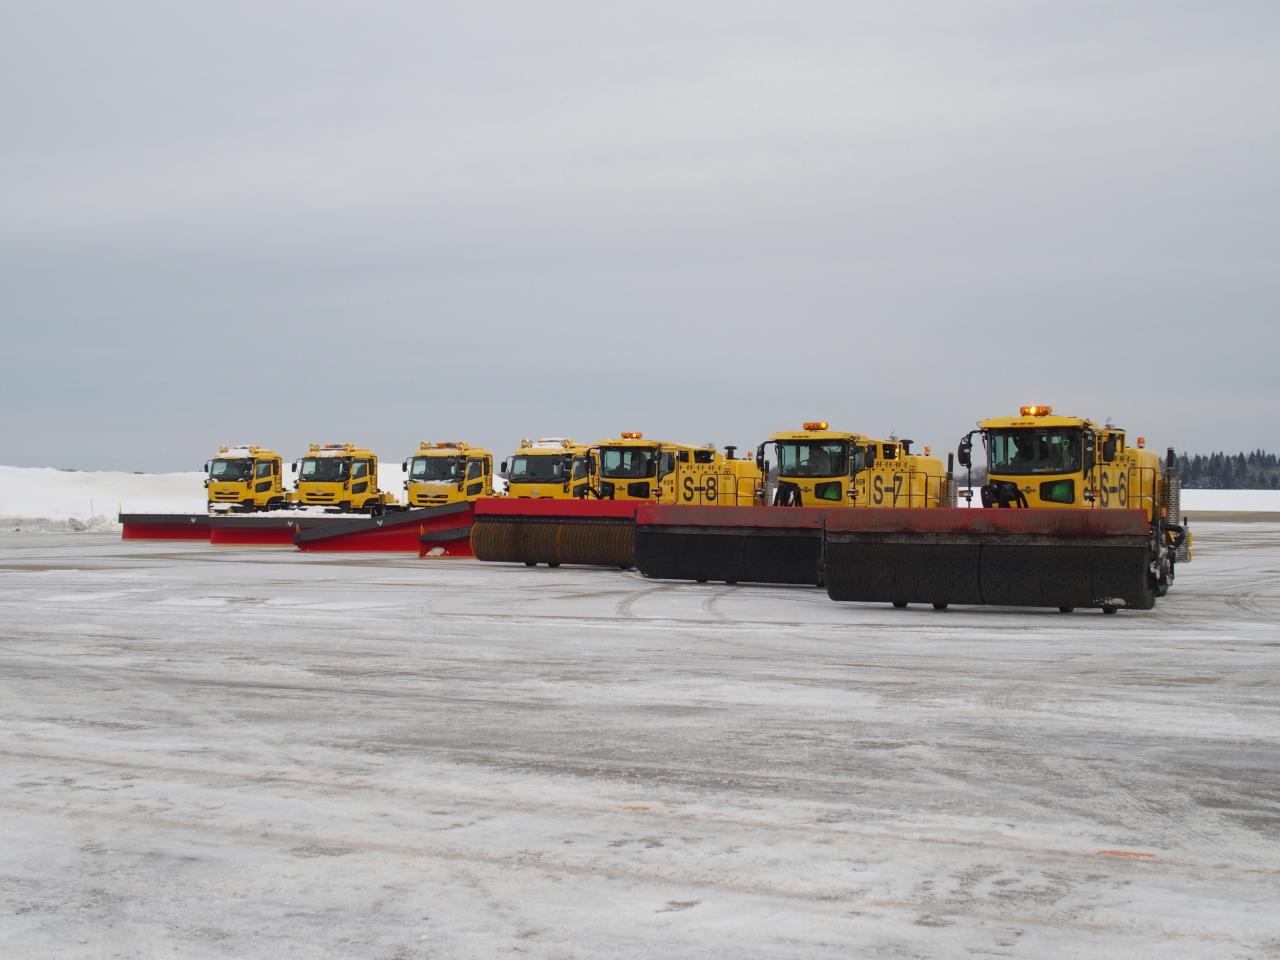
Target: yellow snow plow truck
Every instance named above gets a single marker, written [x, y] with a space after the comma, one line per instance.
[342, 477]
[549, 468]
[1074, 517]
[450, 471]
[633, 468]
[245, 477]
[820, 467]
[623, 474]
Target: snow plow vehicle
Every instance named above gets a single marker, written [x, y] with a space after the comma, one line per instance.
[341, 477]
[449, 471]
[598, 527]
[549, 468]
[1071, 517]
[818, 470]
[245, 478]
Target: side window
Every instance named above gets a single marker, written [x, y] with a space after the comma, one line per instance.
[359, 469]
[684, 456]
[704, 456]
[262, 469]
[475, 469]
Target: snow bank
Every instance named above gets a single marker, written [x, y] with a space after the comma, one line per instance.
[91, 499]
[1236, 501]
[41, 497]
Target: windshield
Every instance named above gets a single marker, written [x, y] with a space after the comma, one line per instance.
[1033, 451]
[230, 469]
[815, 458]
[436, 468]
[325, 469]
[548, 468]
[627, 463]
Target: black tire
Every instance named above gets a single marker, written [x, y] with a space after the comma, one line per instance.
[345, 506]
[1108, 608]
[1065, 609]
[899, 604]
[554, 565]
[940, 606]
[531, 563]
[702, 579]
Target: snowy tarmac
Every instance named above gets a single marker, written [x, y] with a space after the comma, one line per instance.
[221, 752]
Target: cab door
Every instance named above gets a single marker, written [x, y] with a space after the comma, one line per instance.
[476, 477]
[361, 480]
[265, 476]
[580, 477]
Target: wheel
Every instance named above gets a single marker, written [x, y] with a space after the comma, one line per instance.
[247, 505]
[375, 509]
[702, 579]
[899, 604]
[1065, 609]
[731, 583]
[940, 606]
[554, 565]
[531, 563]
[1108, 608]
[345, 506]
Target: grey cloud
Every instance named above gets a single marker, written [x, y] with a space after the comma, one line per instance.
[707, 221]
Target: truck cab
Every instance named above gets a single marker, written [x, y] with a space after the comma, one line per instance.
[821, 467]
[633, 468]
[1039, 459]
[342, 477]
[245, 477]
[449, 471]
[549, 468]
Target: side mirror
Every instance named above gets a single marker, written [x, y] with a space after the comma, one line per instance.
[502, 468]
[965, 453]
[293, 468]
[404, 467]
[206, 466]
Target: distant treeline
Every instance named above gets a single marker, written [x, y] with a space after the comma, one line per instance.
[1257, 470]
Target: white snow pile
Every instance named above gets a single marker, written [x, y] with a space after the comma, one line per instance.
[36, 497]
[42, 498]
[1235, 501]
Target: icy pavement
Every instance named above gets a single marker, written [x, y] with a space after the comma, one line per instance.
[220, 752]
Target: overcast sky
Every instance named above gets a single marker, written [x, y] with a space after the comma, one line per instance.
[382, 222]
